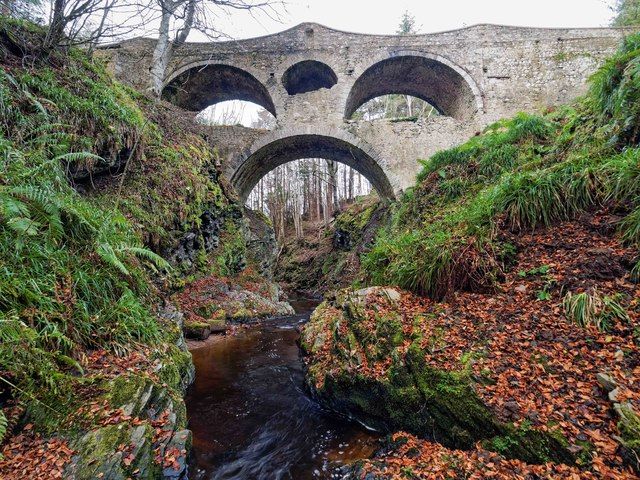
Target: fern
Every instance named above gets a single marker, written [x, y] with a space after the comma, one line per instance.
[28, 209]
[4, 424]
[146, 254]
[110, 257]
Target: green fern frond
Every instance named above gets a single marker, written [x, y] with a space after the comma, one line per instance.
[43, 211]
[109, 256]
[12, 207]
[4, 424]
[77, 156]
[24, 226]
[146, 254]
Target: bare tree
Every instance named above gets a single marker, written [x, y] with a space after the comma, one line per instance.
[627, 12]
[309, 189]
[87, 22]
[179, 17]
[28, 9]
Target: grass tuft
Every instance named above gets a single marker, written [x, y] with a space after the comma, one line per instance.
[591, 308]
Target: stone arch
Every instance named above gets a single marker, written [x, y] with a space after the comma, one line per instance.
[283, 147]
[198, 86]
[429, 77]
[307, 76]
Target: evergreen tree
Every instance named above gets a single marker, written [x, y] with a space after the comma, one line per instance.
[408, 25]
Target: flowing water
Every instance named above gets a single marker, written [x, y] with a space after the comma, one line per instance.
[252, 418]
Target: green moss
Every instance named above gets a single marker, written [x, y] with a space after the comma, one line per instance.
[629, 426]
[423, 402]
[98, 453]
[411, 395]
[176, 366]
[532, 446]
[231, 257]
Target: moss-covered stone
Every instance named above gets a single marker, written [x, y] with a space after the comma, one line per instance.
[197, 330]
[629, 426]
[368, 359]
[532, 446]
[99, 454]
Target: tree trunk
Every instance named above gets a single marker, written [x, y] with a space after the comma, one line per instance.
[350, 191]
[161, 55]
[56, 27]
[164, 47]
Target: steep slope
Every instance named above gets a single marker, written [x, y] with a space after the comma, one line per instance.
[95, 185]
[327, 257]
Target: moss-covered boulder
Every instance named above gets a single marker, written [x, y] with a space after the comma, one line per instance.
[211, 302]
[99, 454]
[629, 426]
[366, 358]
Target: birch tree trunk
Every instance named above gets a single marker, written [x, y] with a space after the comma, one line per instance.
[165, 46]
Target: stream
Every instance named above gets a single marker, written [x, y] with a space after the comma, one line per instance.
[251, 416]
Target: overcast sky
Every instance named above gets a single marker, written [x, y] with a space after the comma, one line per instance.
[383, 16]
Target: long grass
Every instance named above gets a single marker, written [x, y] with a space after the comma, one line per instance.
[523, 173]
[592, 308]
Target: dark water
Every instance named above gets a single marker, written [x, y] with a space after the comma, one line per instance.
[252, 418]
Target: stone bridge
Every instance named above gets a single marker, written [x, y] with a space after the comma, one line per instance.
[313, 78]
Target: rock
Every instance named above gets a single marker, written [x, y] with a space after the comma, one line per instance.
[613, 395]
[629, 426]
[606, 381]
[99, 456]
[218, 326]
[342, 239]
[179, 445]
[387, 292]
[100, 452]
[512, 406]
[262, 246]
[197, 330]
[348, 343]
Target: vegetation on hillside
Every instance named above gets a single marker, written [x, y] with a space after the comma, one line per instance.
[627, 12]
[98, 185]
[94, 185]
[519, 174]
[509, 371]
[327, 257]
[74, 275]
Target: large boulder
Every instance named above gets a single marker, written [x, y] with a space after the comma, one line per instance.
[366, 358]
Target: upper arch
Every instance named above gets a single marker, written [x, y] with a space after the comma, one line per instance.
[307, 76]
[195, 87]
[430, 77]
